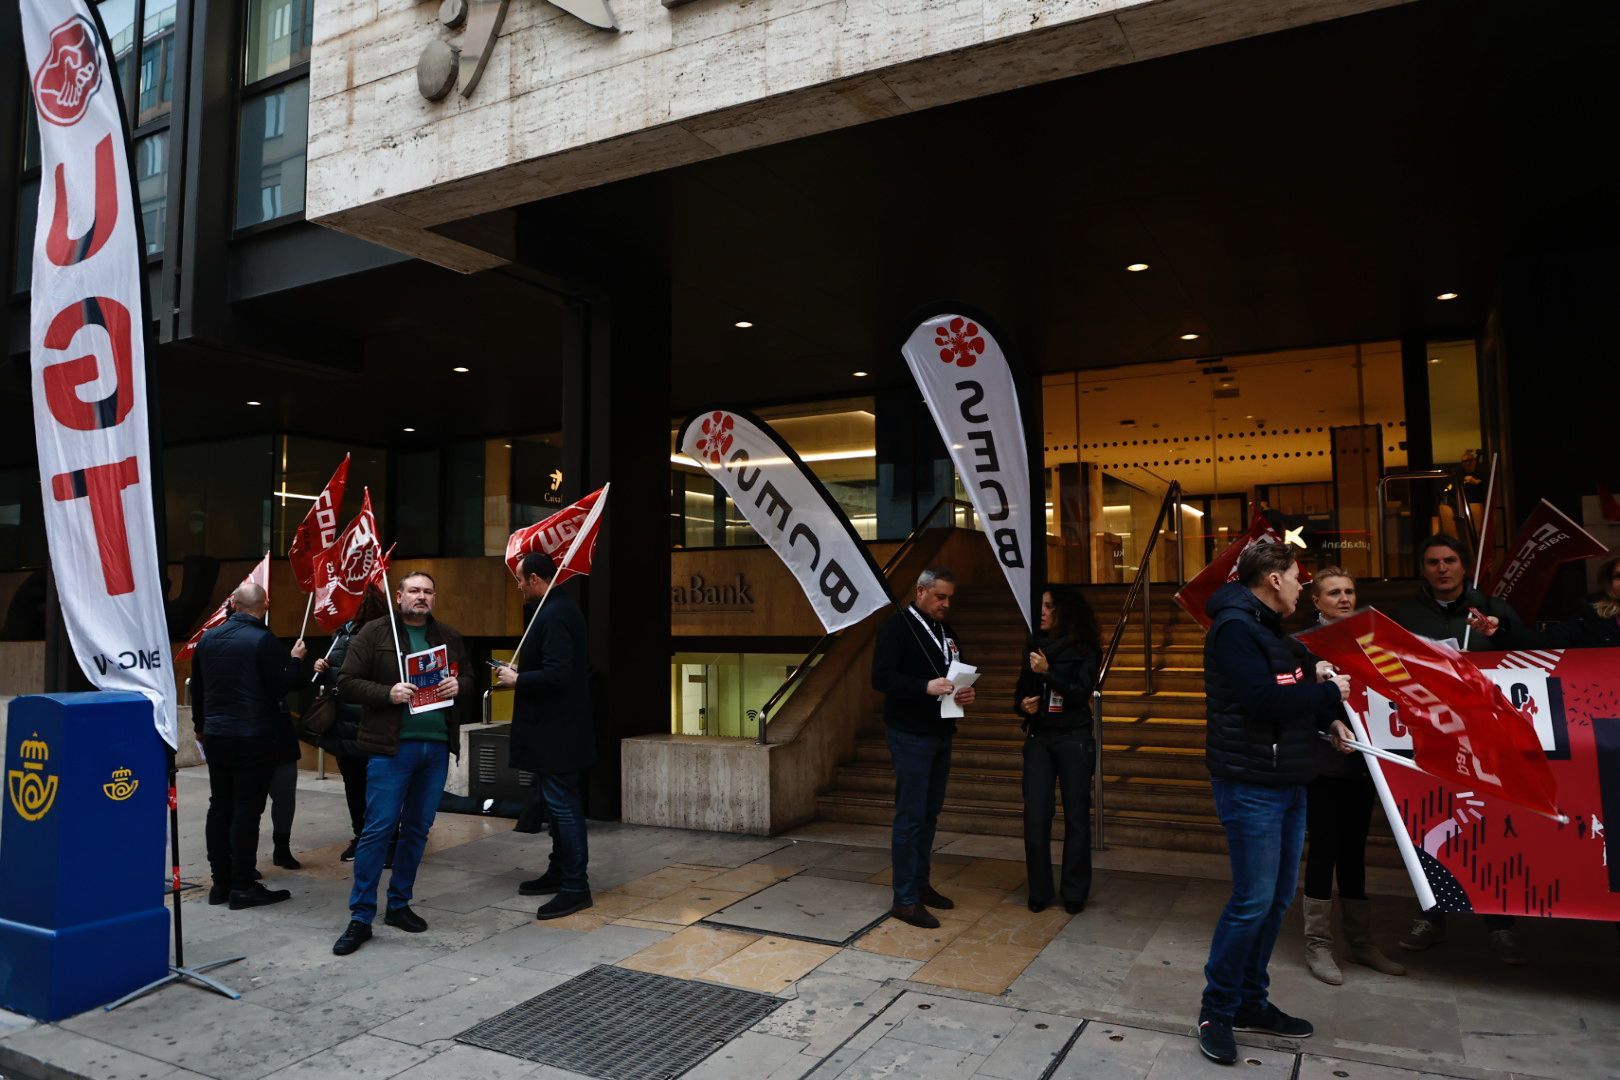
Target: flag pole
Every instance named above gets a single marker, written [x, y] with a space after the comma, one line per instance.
[1484, 535]
[308, 607]
[393, 625]
[568, 556]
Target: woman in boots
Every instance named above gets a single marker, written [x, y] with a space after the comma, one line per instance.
[1338, 812]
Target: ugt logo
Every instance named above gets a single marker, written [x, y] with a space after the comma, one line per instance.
[32, 790]
[70, 74]
[442, 64]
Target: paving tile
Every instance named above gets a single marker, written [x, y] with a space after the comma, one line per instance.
[1540, 1041]
[805, 853]
[488, 889]
[1312, 1067]
[869, 965]
[770, 965]
[1116, 1052]
[1033, 1046]
[1067, 978]
[826, 1010]
[582, 922]
[983, 967]
[1144, 896]
[940, 871]
[820, 909]
[608, 945]
[689, 905]
[642, 924]
[666, 882]
[890, 1058]
[1095, 926]
[866, 860]
[689, 953]
[470, 1063]
[1016, 925]
[453, 929]
[396, 996]
[365, 1057]
[751, 877]
[11, 1023]
[506, 949]
[754, 1056]
[1002, 874]
[895, 938]
[838, 875]
[950, 1023]
[616, 903]
[76, 1055]
[447, 1016]
[971, 901]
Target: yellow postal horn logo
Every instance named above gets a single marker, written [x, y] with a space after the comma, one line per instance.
[120, 787]
[32, 791]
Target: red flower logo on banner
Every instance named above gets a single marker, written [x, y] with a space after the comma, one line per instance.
[717, 437]
[71, 73]
[959, 342]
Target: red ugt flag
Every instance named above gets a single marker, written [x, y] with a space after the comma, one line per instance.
[582, 551]
[1223, 568]
[1463, 730]
[260, 576]
[553, 535]
[347, 569]
[319, 528]
[1548, 539]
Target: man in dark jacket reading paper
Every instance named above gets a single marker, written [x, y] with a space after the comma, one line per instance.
[913, 655]
[1268, 703]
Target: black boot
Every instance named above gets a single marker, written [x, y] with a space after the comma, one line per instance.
[282, 854]
[348, 852]
[564, 904]
[547, 883]
[256, 895]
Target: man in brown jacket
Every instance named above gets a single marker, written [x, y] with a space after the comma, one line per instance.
[410, 751]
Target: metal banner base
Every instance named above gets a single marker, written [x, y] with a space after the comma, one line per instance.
[180, 974]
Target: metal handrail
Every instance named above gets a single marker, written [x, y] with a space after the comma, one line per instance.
[1383, 502]
[1172, 498]
[810, 658]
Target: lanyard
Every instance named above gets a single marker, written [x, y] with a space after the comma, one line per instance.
[929, 624]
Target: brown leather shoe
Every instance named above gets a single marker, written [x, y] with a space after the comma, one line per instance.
[932, 899]
[916, 915]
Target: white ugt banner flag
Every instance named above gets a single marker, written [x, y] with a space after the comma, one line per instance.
[969, 389]
[789, 508]
[87, 340]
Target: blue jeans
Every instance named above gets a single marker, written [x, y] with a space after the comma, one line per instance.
[570, 851]
[1265, 833]
[403, 791]
[922, 765]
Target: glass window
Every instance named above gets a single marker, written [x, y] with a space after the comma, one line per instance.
[465, 489]
[22, 520]
[119, 17]
[271, 156]
[27, 216]
[278, 33]
[720, 694]
[416, 515]
[30, 136]
[218, 496]
[152, 182]
[157, 62]
[306, 465]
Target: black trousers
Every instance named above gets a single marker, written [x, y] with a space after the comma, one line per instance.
[1338, 812]
[239, 772]
[1052, 759]
[352, 767]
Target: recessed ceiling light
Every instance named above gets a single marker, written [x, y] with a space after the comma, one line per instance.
[410, 429]
[1189, 337]
[255, 403]
[859, 374]
[742, 324]
[460, 370]
[507, 445]
[1434, 359]
[1446, 296]
[1137, 268]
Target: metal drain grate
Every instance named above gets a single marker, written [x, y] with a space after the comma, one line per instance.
[619, 1024]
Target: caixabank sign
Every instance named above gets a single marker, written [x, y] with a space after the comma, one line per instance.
[460, 60]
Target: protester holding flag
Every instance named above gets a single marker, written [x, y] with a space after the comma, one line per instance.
[409, 751]
[339, 740]
[1598, 626]
[552, 733]
[1268, 700]
[1338, 814]
[1053, 702]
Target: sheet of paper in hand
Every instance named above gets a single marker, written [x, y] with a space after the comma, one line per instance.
[427, 670]
[962, 676]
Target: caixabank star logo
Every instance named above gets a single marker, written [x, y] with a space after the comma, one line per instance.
[444, 64]
[32, 788]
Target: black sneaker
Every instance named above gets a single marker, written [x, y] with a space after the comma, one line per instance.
[405, 919]
[1267, 1019]
[915, 915]
[932, 899]
[256, 895]
[1215, 1041]
[544, 885]
[218, 894]
[355, 936]
[348, 852]
[564, 904]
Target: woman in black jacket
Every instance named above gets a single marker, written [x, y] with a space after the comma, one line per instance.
[1598, 627]
[1053, 701]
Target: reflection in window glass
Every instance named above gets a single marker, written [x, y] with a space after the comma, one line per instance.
[217, 497]
[720, 694]
[278, 33]
[27, 215]
[119, 17]
[270, 168]
[417, 511]
[22, 520]
[464, 509]
[305, 467]
[157, 62]
[152, 184]
[30, 139]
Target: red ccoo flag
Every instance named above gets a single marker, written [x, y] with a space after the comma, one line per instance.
[1223, 568]
[347, 569]
[319, 528]
[553, 535]
[260, 576]
[1463, 730]
[1547, 540]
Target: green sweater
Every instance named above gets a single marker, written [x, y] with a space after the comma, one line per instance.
[428, 726]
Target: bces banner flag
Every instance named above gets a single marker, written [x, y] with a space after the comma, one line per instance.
[260, 576]
[87, 341]
[552, 535]
[1549, 539]
[348, 568]
[969, 389]
[318, 529]
[1223, 568]
[791, 510]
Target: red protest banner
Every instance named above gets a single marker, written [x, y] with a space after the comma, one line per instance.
[347, 569]
[551, 536]
[1549, 538]
[1463, 730]
[577, 561]
[1223, 568]
[1474, 852]
[319, 528]
[260, 576]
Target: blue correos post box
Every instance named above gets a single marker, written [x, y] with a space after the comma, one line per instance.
[82, 848]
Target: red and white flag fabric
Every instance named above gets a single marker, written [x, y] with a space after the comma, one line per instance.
[348, 568]
[1463, 730]
[319, 528]
[259, 576]
[553, 535]
[87, 345]
[1549, 539]
[1223, 568]
[576, 561]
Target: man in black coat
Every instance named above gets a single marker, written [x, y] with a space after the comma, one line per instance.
[1268, 700]
[552, 734]
[914, 651]
[240, 679]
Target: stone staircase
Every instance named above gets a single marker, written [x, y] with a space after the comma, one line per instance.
[1155, 787]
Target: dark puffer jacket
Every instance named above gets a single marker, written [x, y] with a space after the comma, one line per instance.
[1071, 675]
[1266, 711]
